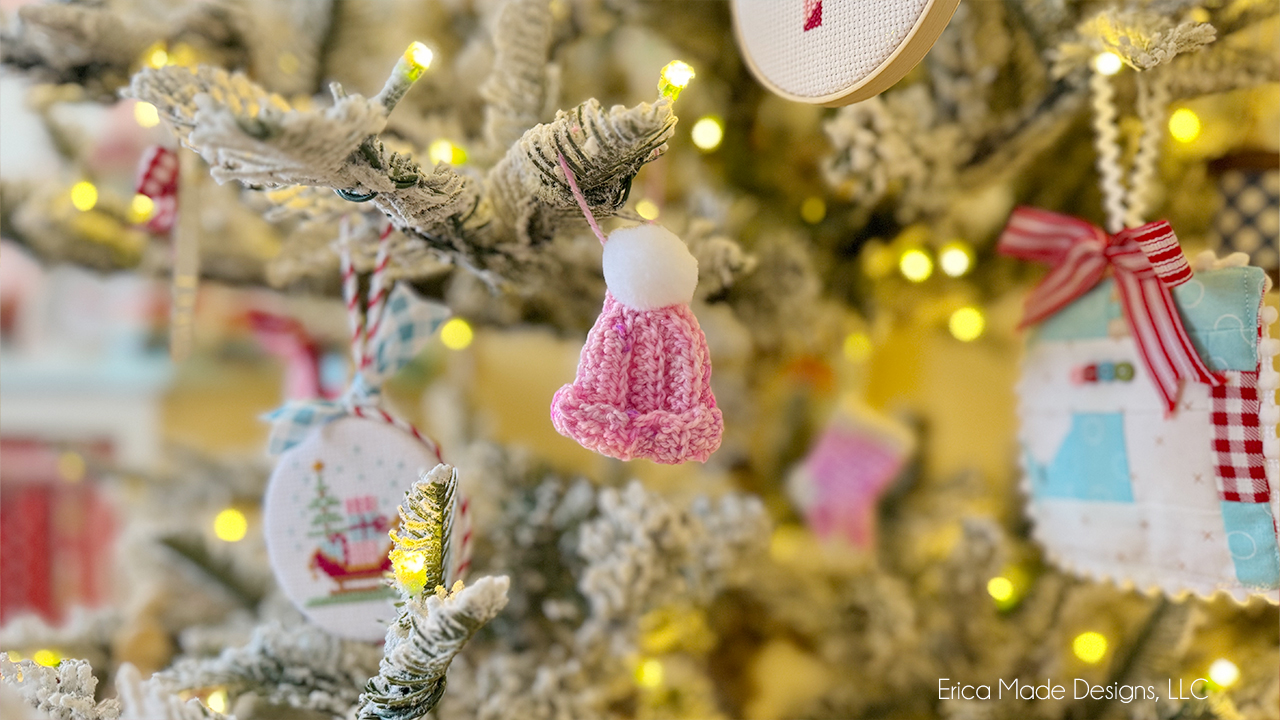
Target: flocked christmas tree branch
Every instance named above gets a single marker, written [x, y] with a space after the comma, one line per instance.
[492, 226]
[434, 624]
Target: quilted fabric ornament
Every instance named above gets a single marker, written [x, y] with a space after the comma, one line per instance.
[643, 387]
[1147, 407]
[344, 465]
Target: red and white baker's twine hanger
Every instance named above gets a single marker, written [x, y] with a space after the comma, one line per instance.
[365, 326]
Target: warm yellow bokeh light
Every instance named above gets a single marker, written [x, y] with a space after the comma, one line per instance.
[288, 63]
[967, 324]
[1108, 63]
[1000, 589]
[857, 347]
[443, 151]
[813, 210]
[1224, 673]
[419, 55]
[230, 525]
[955, 259]
[157, 56]
[146, 114]
[47, 658]
[140, 208]
[217, 701]
[71, 466]
[877, 260]
[1184, 125]
[707, 133]
[456, 334]
[649, 673]
[915, 265]
[1090, 647]
[647, 209]
[84, 196]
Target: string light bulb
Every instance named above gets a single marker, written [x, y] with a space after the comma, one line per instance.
[915, 265]
[47, 658]
[456, 334]
[145, 114]
[955, 259]
[1107, 63]
[140, 208]
[1090, 647]
[1224, 673]
[443, 151]
[419, 56]
[1184, 125]
[674, 78]
[648, 209]
[217, 701]
[649, 673]
[707, 133]
[813, 210]
[84, 196]
[410, 569]
[967, 324]
[230, 525]
[156, 56]
[857, 347]
[1000, 589]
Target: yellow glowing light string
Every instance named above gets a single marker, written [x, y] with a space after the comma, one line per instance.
[674, 78]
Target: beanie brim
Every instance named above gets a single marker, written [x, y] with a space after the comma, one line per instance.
[663, 436]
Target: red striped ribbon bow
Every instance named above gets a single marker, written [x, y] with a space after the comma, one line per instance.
[1146, 262]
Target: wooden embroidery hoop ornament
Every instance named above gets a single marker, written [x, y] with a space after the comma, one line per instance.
[928, 25]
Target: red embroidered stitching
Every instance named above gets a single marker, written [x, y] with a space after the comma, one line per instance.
[812, 14]
[1237, 440]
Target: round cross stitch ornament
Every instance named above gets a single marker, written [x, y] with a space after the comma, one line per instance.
[836, 52]
[328, 508]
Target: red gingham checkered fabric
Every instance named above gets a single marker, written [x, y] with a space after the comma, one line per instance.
[1237, 439]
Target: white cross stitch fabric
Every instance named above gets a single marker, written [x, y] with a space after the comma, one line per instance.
[328, 508]
[815, 49]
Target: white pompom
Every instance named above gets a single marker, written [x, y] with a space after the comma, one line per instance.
[647, 267]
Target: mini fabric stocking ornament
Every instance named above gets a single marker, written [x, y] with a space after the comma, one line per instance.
[643, 387]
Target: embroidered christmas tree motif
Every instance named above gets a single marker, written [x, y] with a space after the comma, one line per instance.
[352, 550]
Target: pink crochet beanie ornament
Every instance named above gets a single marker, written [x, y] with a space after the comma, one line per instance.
[644, 379]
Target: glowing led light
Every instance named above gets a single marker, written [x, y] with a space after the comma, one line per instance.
[877, 260]
[1184, 125]
[84, 196]
[955, 259]
[707, 133]
[1000, 589]
[813, 210]
[443, 151]
[674, 78]
[1224, 673]
[915, 265]
[157, 56]
[1090, 647]
[647, 209]
[967, 324]
[71, 466]
[649, 673]
[146, 114]
[456, 334]
[419, 55]
[230, 525]
[47, 658]
[217, 701]
[857, 347]
[409, 568]
[1108, 63]
[140, 208]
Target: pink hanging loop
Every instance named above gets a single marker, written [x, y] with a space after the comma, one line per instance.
[582, 201]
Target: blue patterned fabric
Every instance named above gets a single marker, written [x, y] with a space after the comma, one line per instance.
[1092, 462]
[1251, 539]
[408, 323]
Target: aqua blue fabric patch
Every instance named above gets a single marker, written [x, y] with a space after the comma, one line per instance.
[1091, 464]
[1251, 538]
[1220, 311]
[1086, 318]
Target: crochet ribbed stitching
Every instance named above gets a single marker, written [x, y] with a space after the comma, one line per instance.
[643, 387]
